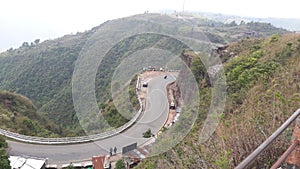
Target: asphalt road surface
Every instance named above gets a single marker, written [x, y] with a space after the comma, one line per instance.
[154, 117]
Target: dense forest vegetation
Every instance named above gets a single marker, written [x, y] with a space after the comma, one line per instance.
[18, 114]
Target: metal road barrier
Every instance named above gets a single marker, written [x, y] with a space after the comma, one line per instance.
[251, 158]
[285, 155]
[72, 140]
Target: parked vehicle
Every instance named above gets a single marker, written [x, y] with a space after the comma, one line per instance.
[172, 105]
[145, 84]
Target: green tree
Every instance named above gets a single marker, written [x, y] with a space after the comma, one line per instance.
[147, 134]
[233, 23]
[3, 143]
[120, 164]
[4, 162]
[37, 41]
[25, 44]
[28, 123]
[198, 69]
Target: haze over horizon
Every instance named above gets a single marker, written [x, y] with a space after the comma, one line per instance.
[25, 21]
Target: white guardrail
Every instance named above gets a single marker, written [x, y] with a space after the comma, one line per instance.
[72, 140]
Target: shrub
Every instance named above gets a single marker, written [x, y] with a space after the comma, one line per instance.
[147, 134]
[120, 164]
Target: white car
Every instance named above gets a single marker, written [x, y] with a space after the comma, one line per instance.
[145, 84]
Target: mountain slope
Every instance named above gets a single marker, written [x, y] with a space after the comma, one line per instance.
[18, 114]
[263, 78]
[43, 71]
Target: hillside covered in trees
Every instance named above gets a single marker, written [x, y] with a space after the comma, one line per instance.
[18, 114]
[261, 65]
[43, 71]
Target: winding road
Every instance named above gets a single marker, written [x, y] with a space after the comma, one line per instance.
[154, 117]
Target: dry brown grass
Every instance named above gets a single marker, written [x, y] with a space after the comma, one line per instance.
[264, 108]
[265, 105]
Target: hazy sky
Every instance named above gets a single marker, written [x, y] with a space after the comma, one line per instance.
[27, 20]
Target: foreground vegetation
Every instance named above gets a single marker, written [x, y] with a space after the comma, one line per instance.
[262, 92]
[4, 162]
